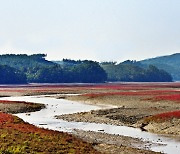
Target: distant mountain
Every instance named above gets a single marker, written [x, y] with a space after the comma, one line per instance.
[69, 62]
[36, 69]
[24, 61]
[129, 71]
[169, 63]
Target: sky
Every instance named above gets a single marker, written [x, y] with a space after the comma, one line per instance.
[101, 30]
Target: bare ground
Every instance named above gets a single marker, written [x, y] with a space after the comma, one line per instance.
[130, 111]
[125, 110]
[20, 107]
[114, 144]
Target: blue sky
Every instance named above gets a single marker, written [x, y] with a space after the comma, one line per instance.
[102, 30]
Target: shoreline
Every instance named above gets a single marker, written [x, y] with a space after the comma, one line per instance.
[109, 143]
[129, 107]
[129, 117]
[18, 136]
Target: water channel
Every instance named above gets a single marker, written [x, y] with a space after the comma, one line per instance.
[46, 118]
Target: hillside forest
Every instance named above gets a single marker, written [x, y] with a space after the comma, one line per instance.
[22, 68]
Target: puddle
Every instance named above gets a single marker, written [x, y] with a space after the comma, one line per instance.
[45, 118]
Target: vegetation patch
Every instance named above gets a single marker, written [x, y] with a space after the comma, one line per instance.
[16, 136]
[167, 97]
[130, 93]
[15, 102]
[175, 97]
[130, 71]
[163, 117]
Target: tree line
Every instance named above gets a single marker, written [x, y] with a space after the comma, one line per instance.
[36, 69]
[16, 69]
[131, 71]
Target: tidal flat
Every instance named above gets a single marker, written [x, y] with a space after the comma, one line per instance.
[151, 107]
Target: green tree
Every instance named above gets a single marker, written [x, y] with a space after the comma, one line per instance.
[9, 75]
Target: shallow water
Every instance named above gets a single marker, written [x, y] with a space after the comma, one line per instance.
[45, 118]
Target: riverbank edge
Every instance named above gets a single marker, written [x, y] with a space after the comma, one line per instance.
[153, 126]
[104, 147]
[13, 142]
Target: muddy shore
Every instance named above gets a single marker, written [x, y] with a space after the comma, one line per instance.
[19, 107]
[113, 144]
[130, 111]
[127, 110]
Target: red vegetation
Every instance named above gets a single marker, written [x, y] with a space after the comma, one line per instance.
[14, 102]
[111, 86]
[175, 97]
[27, 128]
[131, 86]
[168, 115]
[20, 137]
[134, 93]
[5, 118]
[163, 117]
[12, 122]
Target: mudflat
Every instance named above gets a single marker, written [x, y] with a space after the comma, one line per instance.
[18, 136]
[144, 114]
[153, 107]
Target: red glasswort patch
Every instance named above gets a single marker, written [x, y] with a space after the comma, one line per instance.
[10, 121]
[5, 118]
[136, 93]
[175, 97]
[168, 115]
[14, 102]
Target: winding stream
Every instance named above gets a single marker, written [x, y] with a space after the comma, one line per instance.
[45, 118]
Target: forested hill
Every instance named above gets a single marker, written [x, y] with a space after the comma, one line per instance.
[19, 69]
[9, 75]
[23, 61]
[170, 63]
[134, 72]
[36, 69]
